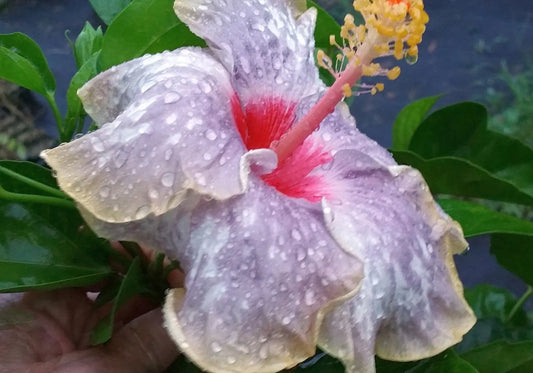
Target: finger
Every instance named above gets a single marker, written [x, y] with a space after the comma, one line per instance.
[144, 344]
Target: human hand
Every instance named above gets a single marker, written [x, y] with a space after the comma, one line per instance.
[48, 331]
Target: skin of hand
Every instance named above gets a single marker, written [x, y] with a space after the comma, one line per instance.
[48, 331]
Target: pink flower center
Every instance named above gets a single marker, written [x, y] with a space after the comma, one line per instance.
[264, 121]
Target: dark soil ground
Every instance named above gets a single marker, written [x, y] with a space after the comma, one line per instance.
[462, 54]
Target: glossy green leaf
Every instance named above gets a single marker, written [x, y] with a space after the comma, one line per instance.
[34, 254]
[461, 131]
[145, 26]
[88, 42]
[27, 170]
[107, 10]
[133, 283]
[500, 315]
[477, 219]
[325, 26]
[491, 302]
[408, 120]
[446, 362]
[515, 253]
[75, 116]
[32, 179]
[22, 62]
[460, 177]
[501, 356]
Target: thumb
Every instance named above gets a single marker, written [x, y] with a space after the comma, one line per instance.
[145, 344]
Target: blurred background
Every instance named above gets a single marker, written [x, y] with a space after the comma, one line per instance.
[479, 50]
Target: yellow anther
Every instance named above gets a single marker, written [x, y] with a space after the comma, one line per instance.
[412, 51]
[380, 87]
[401, 32]
[320, 58]
[382, 49]
[398, 49]
[373, 91]
[349, 20]
[384, 30]
[393, 73]
[371, 70]
[347, 90]
[332, 40]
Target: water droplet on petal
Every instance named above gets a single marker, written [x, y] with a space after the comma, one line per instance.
[171, 119]
[120, 158]
[97, 144]
[167, 179]
[142, 212]
[309, 297]
[215, 347]
[210, 134]
[171, 97]
[231, 360]
[104, 191]
[263, 352]
[300, 254]
[153, 194]
[411, 60]
[286, 320]
[295, 233]
[168, 154]
[146, 128]
[205, 87]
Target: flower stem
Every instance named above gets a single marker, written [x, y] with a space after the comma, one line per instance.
[33, 183]
[57, 115]
[34, 198]
[311, 121]
[519, 303]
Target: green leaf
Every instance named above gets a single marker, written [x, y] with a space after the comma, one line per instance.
[500, 317]
[477, 219]
[461, 131]
[27, 172]
[515, 253]
[34, 254]
[501, 357]
[75, 113]
[88, 42]
[408, 120]
[325, 26]
[133, 283]
[32, 179]
[460, 177]
[145, 26]
[491, 302]
[446, 362]
[107, 10]
[22, 62]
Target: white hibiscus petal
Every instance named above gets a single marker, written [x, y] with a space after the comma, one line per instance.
[172, 130]
[411, 303]
[261, 272]
[266, 50]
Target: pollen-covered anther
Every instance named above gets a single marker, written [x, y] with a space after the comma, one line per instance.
[379, 87]
[325, 62]
[372, 69]
[347, 90]
[393, 73]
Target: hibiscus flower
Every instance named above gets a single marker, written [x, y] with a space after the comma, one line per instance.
[293, 229]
